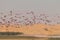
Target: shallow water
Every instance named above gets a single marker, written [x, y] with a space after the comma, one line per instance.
[33, 39]
[26, 38]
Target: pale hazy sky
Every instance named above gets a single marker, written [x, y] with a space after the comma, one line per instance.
[47, 6]
[51, 7]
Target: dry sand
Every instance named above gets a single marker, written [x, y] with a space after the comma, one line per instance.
[36, 29]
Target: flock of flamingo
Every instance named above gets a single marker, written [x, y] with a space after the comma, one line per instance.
[27, 18]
